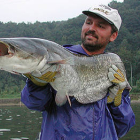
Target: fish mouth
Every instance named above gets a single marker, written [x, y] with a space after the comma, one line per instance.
[3, 49]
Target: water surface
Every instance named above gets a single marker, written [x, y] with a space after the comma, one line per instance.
[17, 122]
[134, 133]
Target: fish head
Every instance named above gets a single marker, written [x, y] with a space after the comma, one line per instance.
[16, 60]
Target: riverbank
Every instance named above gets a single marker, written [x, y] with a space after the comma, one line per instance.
[135, 98]
[11, 102]
[135, 101]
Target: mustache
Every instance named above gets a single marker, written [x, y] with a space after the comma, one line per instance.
[91, 33]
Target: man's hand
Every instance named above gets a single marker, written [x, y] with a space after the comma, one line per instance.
[115, 92]
[47, 77]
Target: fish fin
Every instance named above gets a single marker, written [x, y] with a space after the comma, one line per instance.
[60, 98]
[15, 73]
[37, 73]
[69, 60]
[68, 99]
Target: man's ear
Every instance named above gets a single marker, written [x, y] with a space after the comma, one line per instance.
[113, 36]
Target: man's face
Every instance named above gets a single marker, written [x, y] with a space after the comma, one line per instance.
[96, 34]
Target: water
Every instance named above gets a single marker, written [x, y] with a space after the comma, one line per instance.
[17, 122]
[134, 133]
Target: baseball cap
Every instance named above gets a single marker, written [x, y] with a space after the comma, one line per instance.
[109, 14]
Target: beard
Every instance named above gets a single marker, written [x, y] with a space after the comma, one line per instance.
[91, 46]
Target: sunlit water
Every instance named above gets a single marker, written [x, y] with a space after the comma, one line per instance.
[17, 122]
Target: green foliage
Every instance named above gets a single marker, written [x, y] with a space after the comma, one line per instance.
[127, 44]
[10, 84]
[136, 89]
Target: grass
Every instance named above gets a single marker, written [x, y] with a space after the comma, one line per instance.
[134, 96]
[9, 96]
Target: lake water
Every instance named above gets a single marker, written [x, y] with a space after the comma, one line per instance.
[134, 133]
[17, 122]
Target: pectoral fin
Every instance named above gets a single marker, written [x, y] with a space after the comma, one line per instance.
[61, 99]
[68, 60]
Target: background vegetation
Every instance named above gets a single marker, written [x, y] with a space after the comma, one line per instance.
[127, 45]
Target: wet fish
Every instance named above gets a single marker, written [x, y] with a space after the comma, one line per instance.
[85, 78]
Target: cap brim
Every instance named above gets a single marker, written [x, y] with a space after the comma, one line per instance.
[94, 13]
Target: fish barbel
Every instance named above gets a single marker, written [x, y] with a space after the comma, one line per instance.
[83, 77]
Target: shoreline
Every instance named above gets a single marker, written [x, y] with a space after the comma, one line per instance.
[11, 102]
[17, 102]
[135, 101]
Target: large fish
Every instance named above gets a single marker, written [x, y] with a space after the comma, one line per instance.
[85, 78]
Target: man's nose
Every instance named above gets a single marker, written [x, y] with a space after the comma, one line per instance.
[93, 27]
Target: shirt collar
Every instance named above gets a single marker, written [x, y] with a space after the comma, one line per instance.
[76, 49]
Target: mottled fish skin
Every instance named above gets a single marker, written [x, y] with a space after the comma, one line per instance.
[85, 78]
[88, 83]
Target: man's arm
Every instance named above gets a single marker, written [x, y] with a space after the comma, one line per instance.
[36, 97]
[123, 115]
[119, 100]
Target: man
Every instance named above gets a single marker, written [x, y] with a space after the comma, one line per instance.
[94, 121]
